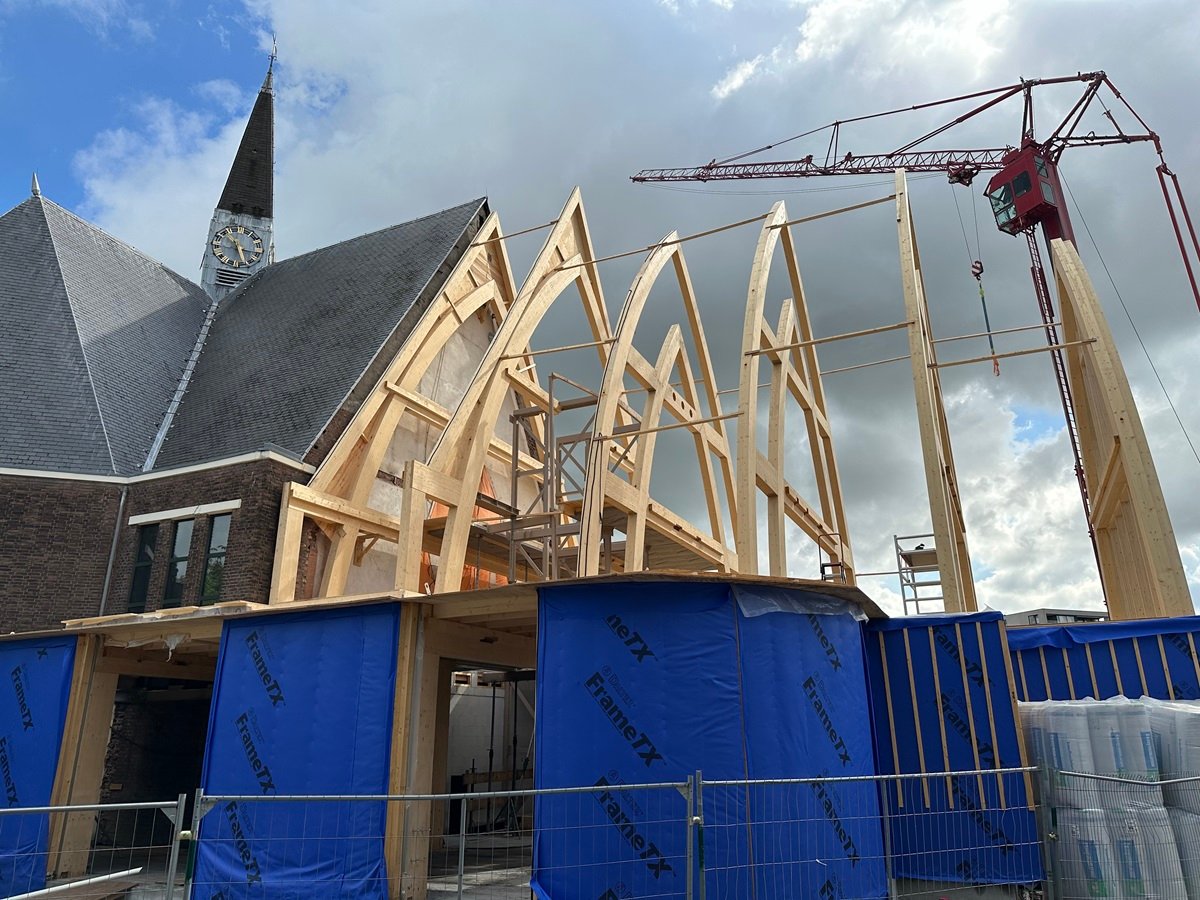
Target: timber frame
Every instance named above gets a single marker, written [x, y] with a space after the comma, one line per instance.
[604, 520]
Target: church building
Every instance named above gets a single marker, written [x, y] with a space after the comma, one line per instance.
[149, 424]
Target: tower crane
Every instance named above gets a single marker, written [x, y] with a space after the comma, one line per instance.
[1025, 192]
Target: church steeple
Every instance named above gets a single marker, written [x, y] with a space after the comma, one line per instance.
[240, 237]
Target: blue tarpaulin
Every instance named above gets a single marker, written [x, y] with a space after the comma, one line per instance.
[37, 676]
[1150, 657]
[649, 682]
[302, 704]
[941, 681]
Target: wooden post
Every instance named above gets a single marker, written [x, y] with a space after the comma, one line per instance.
[81, 759]
[1139, 557]
[407, 653]
[950, 539]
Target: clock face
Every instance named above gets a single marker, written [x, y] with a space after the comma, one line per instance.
[237, 246]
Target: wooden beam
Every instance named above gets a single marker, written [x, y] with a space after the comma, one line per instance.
[140, 662]
[480, 646]
[81, 759]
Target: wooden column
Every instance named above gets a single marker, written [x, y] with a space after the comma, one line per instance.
[949, 528]
[1139, 557]
[408, 652]
[81, 760]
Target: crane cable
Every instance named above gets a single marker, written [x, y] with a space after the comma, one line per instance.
[977, 271]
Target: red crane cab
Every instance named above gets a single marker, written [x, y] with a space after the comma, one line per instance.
[1023, 193]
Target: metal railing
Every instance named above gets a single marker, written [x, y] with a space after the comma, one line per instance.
[92, 850]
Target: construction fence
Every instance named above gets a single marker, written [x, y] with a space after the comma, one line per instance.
[693, 839]
[1094, 836]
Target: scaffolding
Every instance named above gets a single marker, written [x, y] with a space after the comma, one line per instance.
[920, 578]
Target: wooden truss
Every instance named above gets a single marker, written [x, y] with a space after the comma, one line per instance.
[579, 499]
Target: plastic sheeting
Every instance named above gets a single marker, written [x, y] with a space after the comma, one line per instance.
[37, 676]
[1154, 658]
[649, 682]
[302, 704]
[940, 682]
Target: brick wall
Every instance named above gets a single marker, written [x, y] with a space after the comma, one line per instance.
[55, 538]
[252, 527]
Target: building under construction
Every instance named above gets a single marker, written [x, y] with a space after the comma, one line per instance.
[368, 480]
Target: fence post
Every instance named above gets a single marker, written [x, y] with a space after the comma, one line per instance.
[176, 833]
[189, 866]
[1045, 820]
[462, 843]
[698, 821]
[689, 812]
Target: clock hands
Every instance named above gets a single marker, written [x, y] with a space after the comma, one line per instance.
[238, 245]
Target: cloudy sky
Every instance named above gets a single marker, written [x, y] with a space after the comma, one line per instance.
[130, 112]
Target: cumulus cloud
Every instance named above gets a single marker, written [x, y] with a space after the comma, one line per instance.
[874, 39]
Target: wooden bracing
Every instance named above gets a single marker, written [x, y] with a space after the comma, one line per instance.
[1139, 558]
[612, 523]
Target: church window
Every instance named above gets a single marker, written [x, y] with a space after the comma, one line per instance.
[142, 566]
[214, 560]
[178, 563]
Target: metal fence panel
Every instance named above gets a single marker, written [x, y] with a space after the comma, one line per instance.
[590, 842]
[98, 850]
[1114, 836]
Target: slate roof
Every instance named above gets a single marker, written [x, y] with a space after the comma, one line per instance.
[93, 338]
[250, 187]
[307, 335]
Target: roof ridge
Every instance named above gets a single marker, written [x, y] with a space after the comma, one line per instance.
[476, 202]
[479, 204]
[128, 246]
[87, 363]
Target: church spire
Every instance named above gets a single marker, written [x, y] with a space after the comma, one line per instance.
[241, 236]
[250, 186]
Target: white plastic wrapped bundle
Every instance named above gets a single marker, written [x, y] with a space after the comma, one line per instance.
[1187, 756]
[1031, 716]
[1186, 826]
[1143, 843]
[1161, 715]
[1083, 854]
[1123, 746]
[1122, 742]
[1068, 748]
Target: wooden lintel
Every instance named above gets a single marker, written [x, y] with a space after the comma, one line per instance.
[153, 664]
[474, 644]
